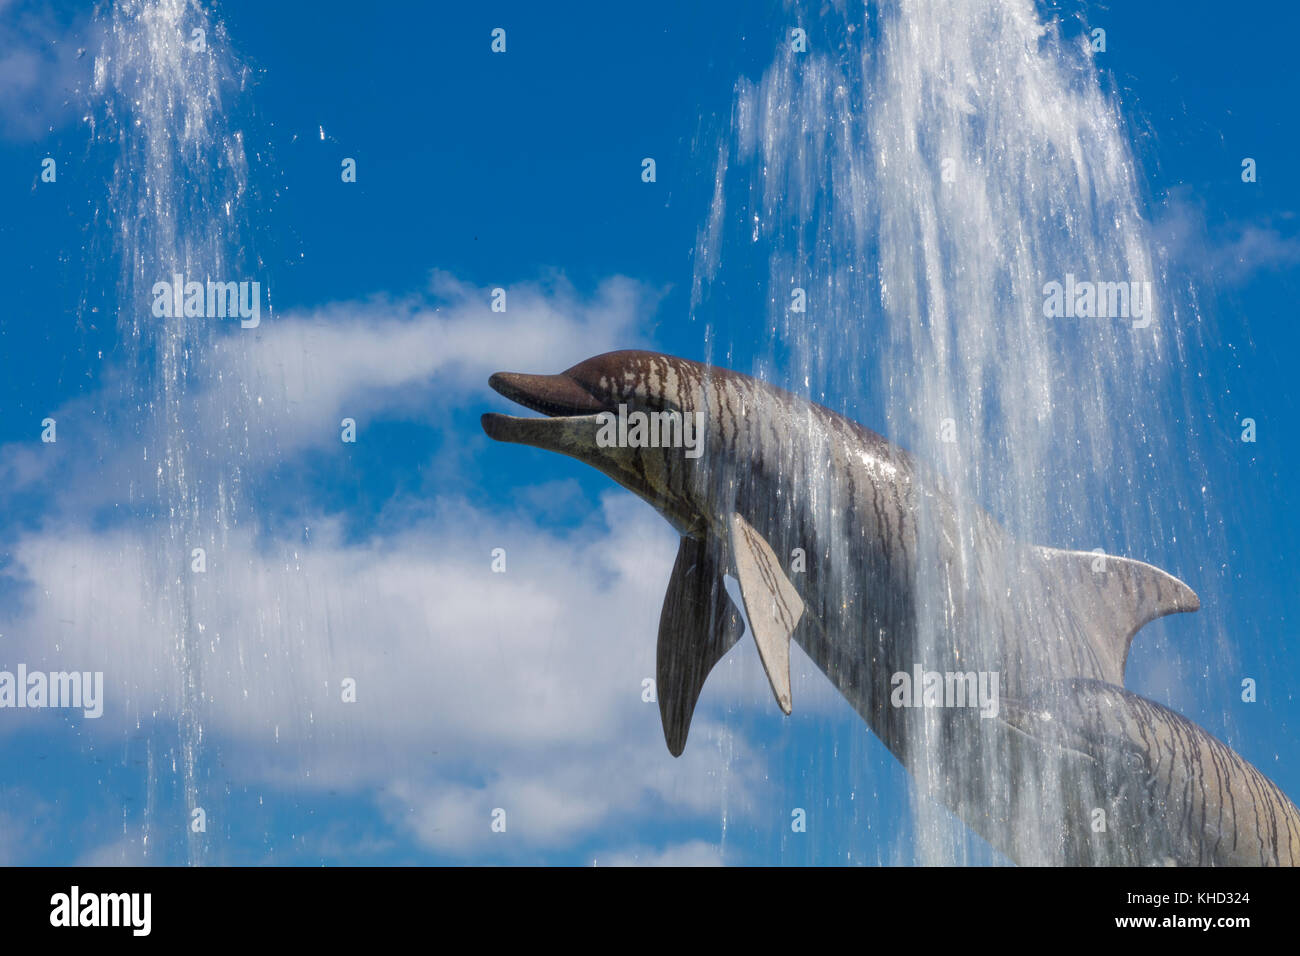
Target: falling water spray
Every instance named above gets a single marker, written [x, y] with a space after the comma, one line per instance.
[926, 183]
[175, 206]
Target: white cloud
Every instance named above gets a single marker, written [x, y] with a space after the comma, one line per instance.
[128, 850]
[264, 395]
[1251, 248]
[304, 371]
[25, 823]
[475, 690]
[528, 682]
[693, 853]
[1229, 254]
[42, 67]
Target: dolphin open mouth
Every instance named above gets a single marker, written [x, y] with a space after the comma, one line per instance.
[555, 396]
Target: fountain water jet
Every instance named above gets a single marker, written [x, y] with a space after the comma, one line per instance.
[923, 173]
[175, 205]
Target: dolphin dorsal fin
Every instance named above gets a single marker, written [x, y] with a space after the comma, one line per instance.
[1111, 599]
[697, 626]
[772, 604]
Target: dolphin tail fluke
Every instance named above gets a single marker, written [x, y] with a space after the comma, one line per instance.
[697, 626]
[1113, 598]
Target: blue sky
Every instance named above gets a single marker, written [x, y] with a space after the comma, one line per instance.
[521, 690]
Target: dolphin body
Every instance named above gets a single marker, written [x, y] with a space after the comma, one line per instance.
[1069, 768]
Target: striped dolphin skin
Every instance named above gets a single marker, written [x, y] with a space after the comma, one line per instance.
[846, 544]
[1179, 795]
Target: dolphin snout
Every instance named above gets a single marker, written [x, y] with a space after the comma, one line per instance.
[553, 395]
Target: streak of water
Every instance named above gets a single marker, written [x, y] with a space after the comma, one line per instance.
[174, 207]
[920, 175]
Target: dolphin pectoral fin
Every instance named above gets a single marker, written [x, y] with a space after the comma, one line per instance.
[772, 604]
[697, 626]
[1111, 598]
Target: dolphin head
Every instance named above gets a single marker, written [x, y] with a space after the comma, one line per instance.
[635, 416]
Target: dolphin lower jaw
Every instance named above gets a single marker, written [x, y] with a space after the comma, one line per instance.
[567, 434]
[575, 437]
[571, 435]
[575, 424]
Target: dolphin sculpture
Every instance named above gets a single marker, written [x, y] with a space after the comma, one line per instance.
[898, 577]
